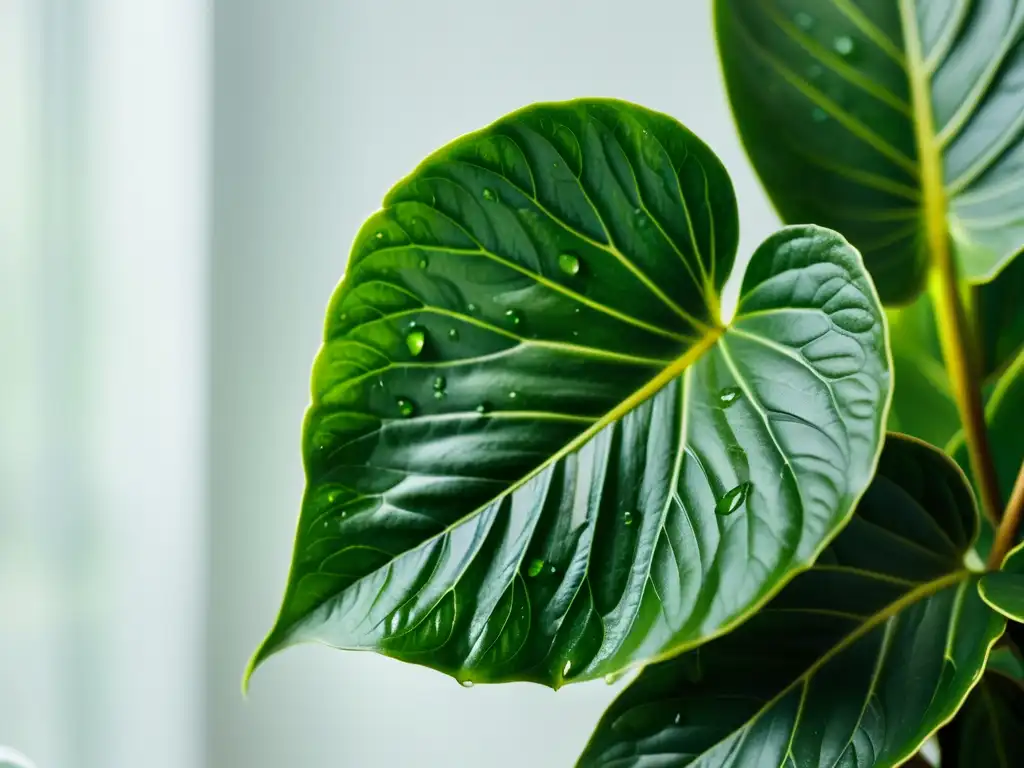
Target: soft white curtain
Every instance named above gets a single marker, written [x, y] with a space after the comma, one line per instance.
[103, 126]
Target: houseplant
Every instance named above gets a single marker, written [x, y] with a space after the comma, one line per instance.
[537, 449]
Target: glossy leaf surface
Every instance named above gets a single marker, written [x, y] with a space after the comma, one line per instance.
[895, 122]
[989, 731]
[855, 663]
[534, 452]
[1004, 589]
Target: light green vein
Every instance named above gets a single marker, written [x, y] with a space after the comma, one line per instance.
[835, 63]
[830, 107]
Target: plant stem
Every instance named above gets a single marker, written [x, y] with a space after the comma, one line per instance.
[958, 352]
[954, 329]
[1009, 528]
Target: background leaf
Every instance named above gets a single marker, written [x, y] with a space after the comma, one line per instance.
[822, 93]
[534, 452]
[989, 731]
[856, 662]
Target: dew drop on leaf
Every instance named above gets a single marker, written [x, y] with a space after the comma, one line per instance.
[733, 500]
[844, 46]
[513, 317]
[483, 408]
[379, 235]
[405, 407]
[440, 382]
[536, 566]
[569, 263]
[803, 20]
[490, 195]
[415, 339]
[627, 517]
[453, 334]
[423, 263]
[471, 307]
[677, 718]
[566, 668]
[729, 395]
[466, 683]
[513, 395]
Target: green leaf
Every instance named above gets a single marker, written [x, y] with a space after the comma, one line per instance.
[578, 467]
[989, 731]
[1004, 589]
[897, 123]
[856, 662]
[922, 401]
[1004, 414]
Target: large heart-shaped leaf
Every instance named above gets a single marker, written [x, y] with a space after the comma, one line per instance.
[856, 662]
[989, 731]
[896, 122]
[535, 452]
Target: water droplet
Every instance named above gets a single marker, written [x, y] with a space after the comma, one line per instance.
[844, 46]
[614, 677]
[729, 395]
[536, 566]
[627, 517]
[471, 307]
[576, 311]
[466, 683]
[568, 263]
[814, 71]
[344, 316]
[415, 339]
[552, 569]
[575, 333]
[513, 317]
[423, 263]
[733, 500]
[483, 408]
[566, 668]
[513, 395]
[331, 497]
[803, 20]
[453, 334]
[819, 115]
[405, 407]
[440, 382]
[677, 718]
[490, 195]
[379, 235]
[554, 165]
[440, 394]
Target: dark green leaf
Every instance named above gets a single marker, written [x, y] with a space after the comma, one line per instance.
[895, 122]
[534, 452]
[989, 731]
[855, 663]
[1004, 589]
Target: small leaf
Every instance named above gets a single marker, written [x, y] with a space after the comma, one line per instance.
[572, 396]
[856, 662]
[897, 123]
[989, 731]
[1004, 589]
